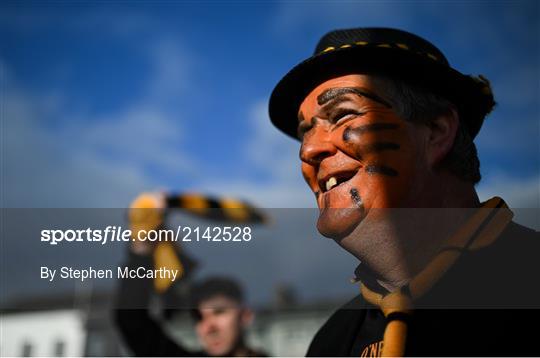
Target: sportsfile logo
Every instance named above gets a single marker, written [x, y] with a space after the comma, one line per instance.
[118, 234]
[110, 233]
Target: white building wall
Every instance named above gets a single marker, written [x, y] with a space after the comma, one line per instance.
[43, 332]
[290, 335]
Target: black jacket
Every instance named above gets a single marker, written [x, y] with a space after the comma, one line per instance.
[141, 333]
[463, 313]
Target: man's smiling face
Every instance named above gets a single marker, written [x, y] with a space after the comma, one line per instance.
[357, 153]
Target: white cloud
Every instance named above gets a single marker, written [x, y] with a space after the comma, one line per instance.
[270, 150]
[139, 136]
[44, 168]
[521, 194]
[518, 192]
[172, 64]
[53, 157]
[275, 157]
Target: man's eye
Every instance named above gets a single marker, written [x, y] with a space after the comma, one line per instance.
[345, 114]
[303, 128]
[220, 310]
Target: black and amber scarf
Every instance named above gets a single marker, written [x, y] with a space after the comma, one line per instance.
[146, 214]
[481, 230]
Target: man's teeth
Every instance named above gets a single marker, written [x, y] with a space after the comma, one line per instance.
[330, 183]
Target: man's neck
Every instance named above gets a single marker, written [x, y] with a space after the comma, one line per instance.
[393, 245]
[241, 350]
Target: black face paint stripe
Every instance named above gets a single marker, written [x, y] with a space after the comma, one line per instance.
[373, 127]
[334, 93]
[355, 197]
[378, 147]
[381, 169]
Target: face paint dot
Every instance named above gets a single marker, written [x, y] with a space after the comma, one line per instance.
[355, 197]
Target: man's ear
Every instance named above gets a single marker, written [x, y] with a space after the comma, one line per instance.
[442, 134]
[247, 316]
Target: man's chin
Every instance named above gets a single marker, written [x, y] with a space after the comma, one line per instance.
[218, 352]
[336, 223]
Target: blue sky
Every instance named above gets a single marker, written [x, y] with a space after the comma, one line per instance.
[104, 100]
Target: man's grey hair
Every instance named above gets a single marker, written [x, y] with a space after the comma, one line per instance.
[420, 106]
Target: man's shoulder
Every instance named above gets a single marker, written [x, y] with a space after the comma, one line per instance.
[518, 236]
[515, 251]
[490, 277]
[336, 336]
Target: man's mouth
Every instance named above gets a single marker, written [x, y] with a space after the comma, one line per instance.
[214, 341]
[334, 180]
[340, 205]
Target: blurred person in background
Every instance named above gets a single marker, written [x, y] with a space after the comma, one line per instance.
[216, 304]
[386, 124]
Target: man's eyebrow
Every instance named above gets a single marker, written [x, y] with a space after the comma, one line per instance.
[334, 93]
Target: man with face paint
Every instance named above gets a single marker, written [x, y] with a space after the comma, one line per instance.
[387, 129]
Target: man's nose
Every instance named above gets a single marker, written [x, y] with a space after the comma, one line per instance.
[317, 146]
[208, 325]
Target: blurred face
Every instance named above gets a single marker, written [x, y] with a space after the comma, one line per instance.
[357, 153]
[221, 325]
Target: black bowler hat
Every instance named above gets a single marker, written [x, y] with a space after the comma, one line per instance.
[389, 52]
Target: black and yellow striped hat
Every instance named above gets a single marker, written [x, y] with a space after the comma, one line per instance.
[389, 52]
